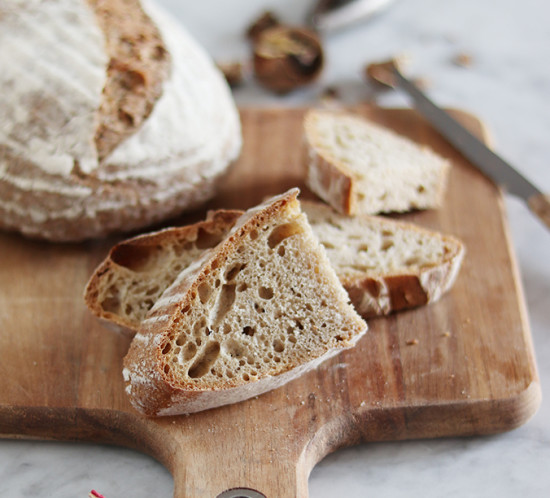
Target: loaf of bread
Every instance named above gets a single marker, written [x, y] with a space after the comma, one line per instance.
[359, 167]
[112, 118]
[261, 308]
[386, 265]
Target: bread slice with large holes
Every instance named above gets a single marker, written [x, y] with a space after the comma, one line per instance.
[261, 308]
[384, 264]
[357, 166]
[137, 271]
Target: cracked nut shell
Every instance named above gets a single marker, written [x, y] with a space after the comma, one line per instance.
[287, 57]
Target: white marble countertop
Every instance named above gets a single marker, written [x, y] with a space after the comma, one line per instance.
[508, 86]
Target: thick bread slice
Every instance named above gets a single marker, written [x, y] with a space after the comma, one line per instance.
[260, 309]
[115, 126]
[386, 265]
[137, 271]
[359, 167]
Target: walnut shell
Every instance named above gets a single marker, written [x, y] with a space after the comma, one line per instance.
[287, 57]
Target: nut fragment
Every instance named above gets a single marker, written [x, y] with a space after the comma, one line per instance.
[463, 60]
[233, 72]
[382, 72]
[287, 57]
[265, 21]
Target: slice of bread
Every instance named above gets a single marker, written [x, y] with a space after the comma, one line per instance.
[359, 167]
[260, 309]
[386, 265]
[137, 271]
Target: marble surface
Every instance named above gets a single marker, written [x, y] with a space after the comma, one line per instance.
[508, 86]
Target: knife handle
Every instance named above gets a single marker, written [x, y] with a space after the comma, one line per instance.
[540, 205]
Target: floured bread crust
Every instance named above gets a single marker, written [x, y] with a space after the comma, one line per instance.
[53, 184]
[261, 308]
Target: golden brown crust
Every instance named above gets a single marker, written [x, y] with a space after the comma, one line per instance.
[329, 179]
[384, 294]
[332, 182]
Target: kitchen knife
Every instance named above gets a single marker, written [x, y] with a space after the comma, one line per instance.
[330, 15]
[471, 147]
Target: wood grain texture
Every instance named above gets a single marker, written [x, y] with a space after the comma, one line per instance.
[540, 205]
[461, 366]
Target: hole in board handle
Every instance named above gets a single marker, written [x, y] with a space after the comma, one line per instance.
[241, 493]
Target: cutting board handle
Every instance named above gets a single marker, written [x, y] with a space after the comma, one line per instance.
[266, 476]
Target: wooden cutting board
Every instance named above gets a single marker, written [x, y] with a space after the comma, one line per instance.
[462, 366]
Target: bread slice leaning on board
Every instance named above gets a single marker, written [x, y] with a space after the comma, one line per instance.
[121, 121]
[135, 273]
[357, 166]
[258, 310]
[385, 265]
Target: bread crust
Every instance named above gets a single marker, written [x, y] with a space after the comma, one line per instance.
[377, 293]
[376, 296]
[332, 182]
[158, 392]
[336, 183]
[52, 184]
[152, 388]
[132, 253]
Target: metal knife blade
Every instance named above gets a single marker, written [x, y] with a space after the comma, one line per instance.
[469, 145]
[329, 15]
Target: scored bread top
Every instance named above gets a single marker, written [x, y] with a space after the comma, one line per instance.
[360, 167]
[384, 264]
[96, 134]
[139, 63]
[257, 310]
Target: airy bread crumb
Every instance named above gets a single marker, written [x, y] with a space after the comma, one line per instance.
[359, 167]
[261, 308]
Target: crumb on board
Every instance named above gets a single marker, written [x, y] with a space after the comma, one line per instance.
[446, 334]
[422, 83]
[412, 342]
[462, 60]
[330, 93]
[233, 72]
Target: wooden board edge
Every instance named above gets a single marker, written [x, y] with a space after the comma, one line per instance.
[100, 426]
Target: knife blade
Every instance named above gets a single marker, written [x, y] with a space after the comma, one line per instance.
[330, 15]
[489, 163]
